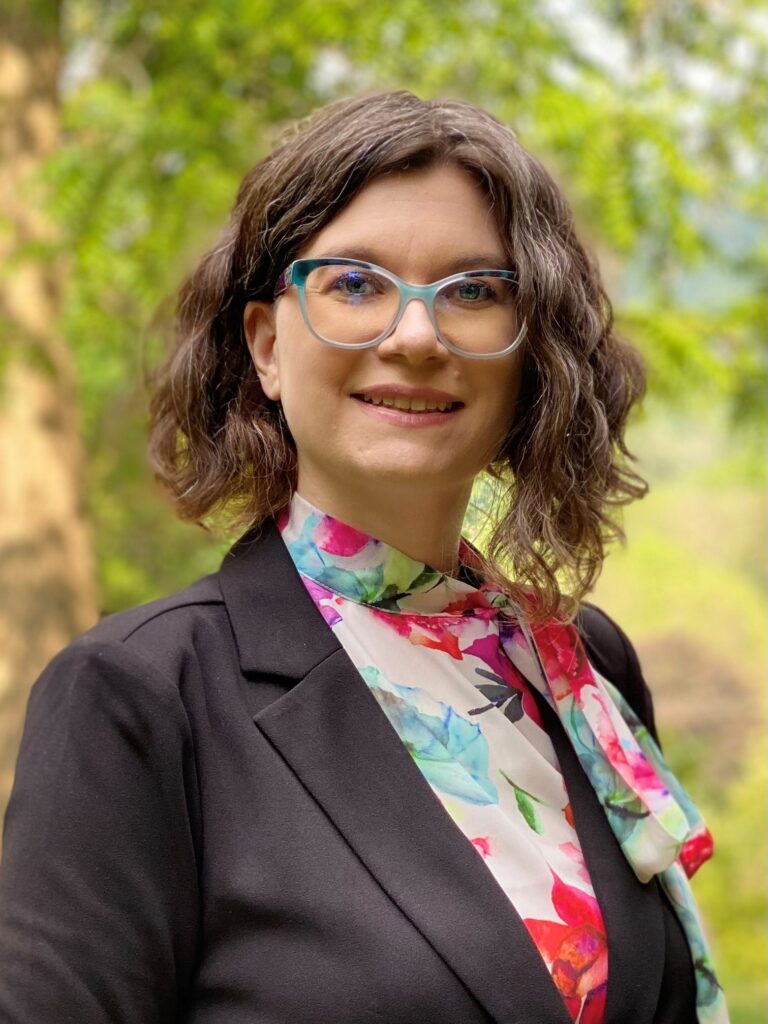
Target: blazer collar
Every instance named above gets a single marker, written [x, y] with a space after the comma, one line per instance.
[260, 584]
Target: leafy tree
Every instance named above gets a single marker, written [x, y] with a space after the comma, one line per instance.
[46, 570]
[166, 106]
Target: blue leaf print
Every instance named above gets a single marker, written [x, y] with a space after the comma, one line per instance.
[451, 752]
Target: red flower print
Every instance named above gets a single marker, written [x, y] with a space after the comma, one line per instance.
[695, 851]
[282, 519]
[445, 642]
[473, 603]
[564, 659]
[482, 844]
[575, 950]
[432, 631]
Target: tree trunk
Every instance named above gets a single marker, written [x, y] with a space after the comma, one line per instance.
[47, 592]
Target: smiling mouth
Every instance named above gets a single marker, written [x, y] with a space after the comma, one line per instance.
[422, 405]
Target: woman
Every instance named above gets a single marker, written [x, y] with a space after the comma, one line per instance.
[358, 774]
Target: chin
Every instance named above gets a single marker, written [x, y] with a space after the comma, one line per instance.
[418, 473]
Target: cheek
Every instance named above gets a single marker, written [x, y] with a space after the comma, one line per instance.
[501, 390]
[313, 378]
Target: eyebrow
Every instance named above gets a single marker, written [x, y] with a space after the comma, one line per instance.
[464, 261]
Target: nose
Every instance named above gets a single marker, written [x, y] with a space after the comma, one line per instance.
[414, 336]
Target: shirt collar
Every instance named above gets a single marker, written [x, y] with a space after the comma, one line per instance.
[369, 571]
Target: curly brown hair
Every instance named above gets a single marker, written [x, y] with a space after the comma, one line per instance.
[221, 446]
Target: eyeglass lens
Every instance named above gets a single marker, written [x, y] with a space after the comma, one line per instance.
[350, 305]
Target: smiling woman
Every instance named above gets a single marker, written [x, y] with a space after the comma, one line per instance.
[562, 467]
[366, 772]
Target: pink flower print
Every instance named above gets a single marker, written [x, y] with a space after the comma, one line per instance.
[629, 760]
[695, 851]
[337, 538]
[574, 853]
[325, 601]
[483, 845]
[646, 779]
[575, 950]
[489, 651]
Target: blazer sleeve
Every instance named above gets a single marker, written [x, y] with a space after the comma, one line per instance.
[610, 651]
[98, 884]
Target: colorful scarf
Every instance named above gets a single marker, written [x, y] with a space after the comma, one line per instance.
[654, 820]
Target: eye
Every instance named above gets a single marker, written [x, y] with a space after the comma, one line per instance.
[355, 284]
[473, 290]
[479, 292]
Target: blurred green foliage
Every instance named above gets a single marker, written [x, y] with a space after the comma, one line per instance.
[648, 116]
[690, 587]
[651, 116]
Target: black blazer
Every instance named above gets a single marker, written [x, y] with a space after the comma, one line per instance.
[213, 822]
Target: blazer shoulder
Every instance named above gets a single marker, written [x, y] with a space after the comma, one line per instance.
[184, 604]
[164, 633]
[613, 655]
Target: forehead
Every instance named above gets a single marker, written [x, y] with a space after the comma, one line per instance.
[410, 215]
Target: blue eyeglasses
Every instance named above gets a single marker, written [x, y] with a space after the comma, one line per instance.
[352, 304]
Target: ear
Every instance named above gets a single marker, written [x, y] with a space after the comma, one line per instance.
[260, 335]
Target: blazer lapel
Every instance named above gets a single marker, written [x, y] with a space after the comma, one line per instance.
[632, 912]
[331, 732]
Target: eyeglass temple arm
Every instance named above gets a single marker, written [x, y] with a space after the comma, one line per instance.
[282, 282]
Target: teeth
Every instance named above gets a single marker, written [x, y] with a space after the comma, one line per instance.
[408, 404]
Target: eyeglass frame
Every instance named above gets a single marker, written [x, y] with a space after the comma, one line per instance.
[296, 274]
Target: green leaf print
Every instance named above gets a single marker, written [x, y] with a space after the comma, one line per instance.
[525, 802]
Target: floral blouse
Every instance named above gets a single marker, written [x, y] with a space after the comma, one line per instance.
[453, 665]
[428, 646]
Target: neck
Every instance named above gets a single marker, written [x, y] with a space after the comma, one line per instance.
[423, 524]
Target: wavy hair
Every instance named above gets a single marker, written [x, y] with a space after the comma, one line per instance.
[222, 448]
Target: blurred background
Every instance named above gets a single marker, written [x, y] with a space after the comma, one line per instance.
[125, 127]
